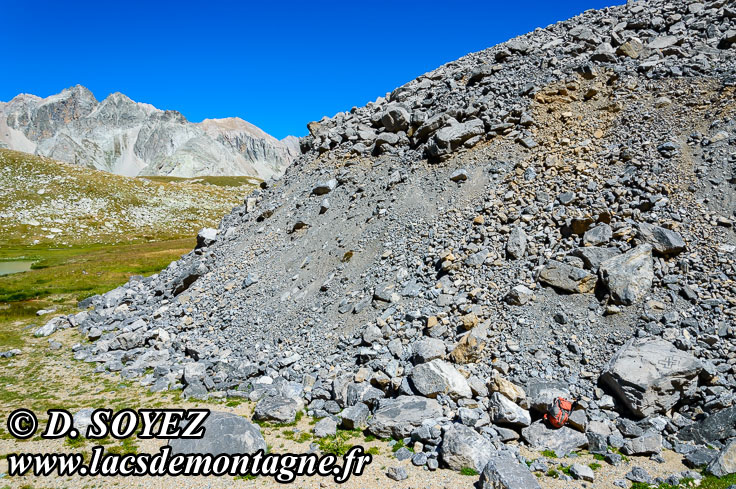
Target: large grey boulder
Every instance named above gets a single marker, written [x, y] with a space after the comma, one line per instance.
[567, 278]
[540, 394]
[276, 408]
[206, 237]
[439, 377]
[428, 349]
[725, 463]
[716, 426]
[464, 447]
[396, 118]
[561, 440]
[447, 139]
[628, 277]
[504, 411]
[225, 433]
[503, 472]
[516, 243]
[664, 241]
[398, 417]
[355, 417]
[646, 444]
[650, 375]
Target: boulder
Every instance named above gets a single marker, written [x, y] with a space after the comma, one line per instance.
[225, 433]
[598, 235]
[519, 295]
[647, 444]
[593, 256]
[516, 243]
[276, 408]
[398, 417]
[541, 393]
[464, 447]
[52, 326]
[82, 419]
[397, 473]
[628, 277]
[582, 472]
[504, 472]
[325, 427]
[323, 188]
[567, 278]
[506, 387]
[439, 377]
[354, 417]
[664, 241]
[428, 349]
[206, 237]
[396, 118]
[470, 345]
[504, 411]
[447, 139]
[725, 463]
[716, 426]
[650, 375]
[561, 440]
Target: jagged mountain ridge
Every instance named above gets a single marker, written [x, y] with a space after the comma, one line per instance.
[130, 138]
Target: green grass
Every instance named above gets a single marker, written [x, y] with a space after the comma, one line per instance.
[468, 471]
[373, 451]
[709, 482]
[235, 181]
[599, 457]
[549, 453]
[77, 442]
[247, 477]
[595, 466]
[337, 444]
[82, 271]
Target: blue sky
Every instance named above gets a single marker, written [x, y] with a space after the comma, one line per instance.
[276, 64]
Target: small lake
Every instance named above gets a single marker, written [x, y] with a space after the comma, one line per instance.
[8, 267]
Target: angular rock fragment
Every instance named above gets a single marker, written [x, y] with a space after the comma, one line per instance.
[628, 277]
[567, 278]
[650, 375]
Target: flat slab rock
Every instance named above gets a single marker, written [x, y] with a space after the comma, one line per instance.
[567, 278]
[398, 417]
[561, 440]
[276, 408]
[650, 375]
[225, 433]
[503, 472]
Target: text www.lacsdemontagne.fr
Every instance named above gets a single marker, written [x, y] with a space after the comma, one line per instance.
[283, 468]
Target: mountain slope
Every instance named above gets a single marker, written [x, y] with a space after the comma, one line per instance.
[129, 138]
[49, 203]
[536, 211]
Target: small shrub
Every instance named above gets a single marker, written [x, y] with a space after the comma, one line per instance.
[468, 471]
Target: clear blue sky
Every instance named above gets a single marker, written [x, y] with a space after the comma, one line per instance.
[276, 64]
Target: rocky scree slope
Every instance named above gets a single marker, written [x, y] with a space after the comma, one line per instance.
[551, 216]
[129, 138]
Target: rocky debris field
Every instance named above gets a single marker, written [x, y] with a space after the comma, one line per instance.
[549, 217]
[45, 202]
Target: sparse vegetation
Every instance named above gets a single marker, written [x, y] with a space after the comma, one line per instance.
[468, 471]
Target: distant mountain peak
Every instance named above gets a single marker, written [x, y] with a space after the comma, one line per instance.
[122, 136]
